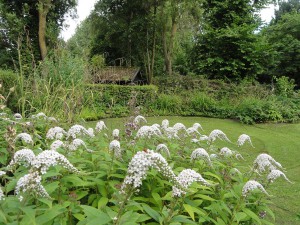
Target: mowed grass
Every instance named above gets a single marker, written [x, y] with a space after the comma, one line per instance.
[281, 141]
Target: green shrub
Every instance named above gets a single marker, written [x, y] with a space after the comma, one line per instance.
[8, 80]
[285, 86]
[168, 104]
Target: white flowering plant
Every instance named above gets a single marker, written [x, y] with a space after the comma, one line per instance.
[155, 175]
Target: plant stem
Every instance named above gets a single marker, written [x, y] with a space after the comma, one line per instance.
[171, 211]
[122, 207]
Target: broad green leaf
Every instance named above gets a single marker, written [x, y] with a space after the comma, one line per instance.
[205, 197]
[102, 202]
[189, 210]
[151, 212]
[240, 216]
[157, 199]
[252, 215]
[220, 222]
[79, 216]
[3, 217]
[46, 201]
[50, 214]
[143, 218]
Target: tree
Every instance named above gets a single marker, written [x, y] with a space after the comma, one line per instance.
[284, 38]
[227, 47]
[35, 22]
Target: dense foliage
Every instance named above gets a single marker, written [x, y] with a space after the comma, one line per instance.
[105, 176]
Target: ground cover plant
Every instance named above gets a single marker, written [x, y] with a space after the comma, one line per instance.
[139, 172]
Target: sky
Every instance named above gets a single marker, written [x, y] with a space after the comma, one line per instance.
[84, 8]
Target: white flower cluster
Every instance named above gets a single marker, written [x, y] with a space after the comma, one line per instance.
[217, 134]
[18, 116]
[192, 130]
[116, 133]
[265, 161]
[24, 137]
[23, 157]
[171, 133]
[115, 147]
[31, 182]
[185, 179]
[2, 173]
[200, 153]
[139, 166]
[100, 126]
[179, 127]
[139, 119]
[148, 132]
[165, 124]
[243, 138]
[57, 144]
[76, 143]
[56, 133]
[43, 116]
[197, 126]
[226, 152]
[77, 130]
[164, 148]
[2, 196]
[252, 185]
[274, 174]
[48, 158]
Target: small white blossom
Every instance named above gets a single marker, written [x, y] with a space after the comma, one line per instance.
[155, 125]
[274, 174]
[192, 130]
[164, 148]
[252, 185]
[56, 133]
[238, 156]
[90, 132]
[203, 138]
[171, 133]
[179, 126]
[148, 132]
[213, 156]
[48, 158]
[100, 126]
[23, 157]
[41, 114]
[57, 144]
[243, 139]
[217, 134]
[24, 137]
[2, 173]
[265, 161]
[18, 116]
[76, 143]
[76, 130]
[200, 153]
[165, 124]
[2, 196]
[31, 183]
[197, 126]
[139, 119]
[194, 140]
[115, 147]
[226, 152]
[52, 119]
[186, 178]
[139, 166]
[116, 133]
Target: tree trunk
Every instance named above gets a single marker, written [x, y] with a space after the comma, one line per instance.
[43, 9]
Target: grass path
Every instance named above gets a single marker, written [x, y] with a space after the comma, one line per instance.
[281, 141]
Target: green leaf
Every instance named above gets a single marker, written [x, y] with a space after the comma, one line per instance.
[95, 216]
[102, 202]
[252, 215]
[157, 199]
[189, 210]
[79, 216]
[143, 218]
[240, 216]
[151, 212]
[50, 214]
[220, 222]
[205, 197]
[182, 219]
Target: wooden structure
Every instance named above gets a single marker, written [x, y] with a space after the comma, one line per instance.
[118, 75]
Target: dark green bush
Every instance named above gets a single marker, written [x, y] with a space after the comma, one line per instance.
[8, 80]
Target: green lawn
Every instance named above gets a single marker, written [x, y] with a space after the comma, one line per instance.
[281, 141]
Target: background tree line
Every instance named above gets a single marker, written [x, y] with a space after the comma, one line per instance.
[216, 39]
